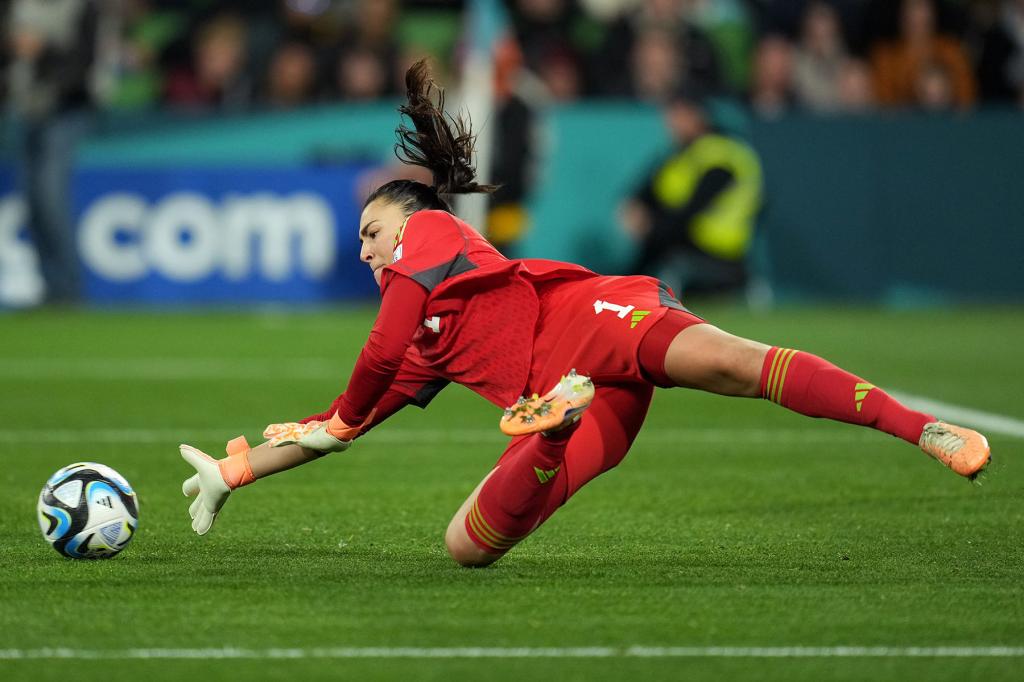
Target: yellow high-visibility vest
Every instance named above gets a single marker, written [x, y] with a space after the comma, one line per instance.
[726, 227]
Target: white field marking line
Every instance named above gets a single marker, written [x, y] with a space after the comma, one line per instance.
[321, 369]
[988, 422]
[385, 436]
[523, 652]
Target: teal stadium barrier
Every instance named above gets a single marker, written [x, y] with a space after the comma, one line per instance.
[893, 208]
[902, 209]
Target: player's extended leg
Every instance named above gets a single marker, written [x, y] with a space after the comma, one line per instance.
[537, 474]
[705, 357]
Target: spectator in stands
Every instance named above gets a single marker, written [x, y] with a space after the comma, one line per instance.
[514, 149]
[216, 76]
[52, 44]
[855, 88]
[771, 89]
[656, 68]
[374, 24]
[629, 39]
[933, 91]
[694, 213]
[292, 75]
[730, 29]
[917, 56]
[819, 59]
[543, 29]
[560, 72]
[133, 64]
[368, 44]
[1001, 65]
[362, 75]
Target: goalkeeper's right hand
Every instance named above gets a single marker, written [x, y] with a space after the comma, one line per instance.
[214, 480]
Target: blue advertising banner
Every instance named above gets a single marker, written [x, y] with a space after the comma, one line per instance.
[202, 235]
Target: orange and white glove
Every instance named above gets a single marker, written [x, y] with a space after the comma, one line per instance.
[214, 480]
[333, 435]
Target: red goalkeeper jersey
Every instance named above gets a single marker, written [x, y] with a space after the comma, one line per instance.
[501, 327]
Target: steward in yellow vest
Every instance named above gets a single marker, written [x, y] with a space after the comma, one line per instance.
[695, 213]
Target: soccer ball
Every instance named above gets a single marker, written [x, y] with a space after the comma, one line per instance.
[88, 511]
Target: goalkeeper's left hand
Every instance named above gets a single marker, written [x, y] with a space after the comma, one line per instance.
[208, 485]
[330, 436]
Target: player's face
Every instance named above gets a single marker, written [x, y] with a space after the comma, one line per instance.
[378, 230]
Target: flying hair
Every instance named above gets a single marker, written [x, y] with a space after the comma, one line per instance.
[437, 141]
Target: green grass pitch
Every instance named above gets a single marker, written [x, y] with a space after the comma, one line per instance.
[731, 523]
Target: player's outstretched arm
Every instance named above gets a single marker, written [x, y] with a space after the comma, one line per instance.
[214, 479]
[332, 435]
[289, 445]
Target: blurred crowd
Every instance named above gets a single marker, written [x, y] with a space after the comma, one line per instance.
[693, 214]
[820, 55]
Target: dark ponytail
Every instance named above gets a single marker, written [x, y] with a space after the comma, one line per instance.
[437, 141]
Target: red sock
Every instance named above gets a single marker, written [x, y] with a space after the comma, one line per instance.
[510, 504]
[815, 387]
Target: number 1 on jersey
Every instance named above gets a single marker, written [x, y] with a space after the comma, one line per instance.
[622, 311]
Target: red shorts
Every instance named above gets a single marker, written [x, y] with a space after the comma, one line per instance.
[614, 419]
[613, 329]
[617, 331]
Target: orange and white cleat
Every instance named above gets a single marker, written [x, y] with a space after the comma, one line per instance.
[965, 451]
[559, 408]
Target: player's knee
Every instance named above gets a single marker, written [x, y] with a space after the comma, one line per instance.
[471, 557]
[463, 550]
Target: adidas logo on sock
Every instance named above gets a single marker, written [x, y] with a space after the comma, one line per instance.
[860, 391]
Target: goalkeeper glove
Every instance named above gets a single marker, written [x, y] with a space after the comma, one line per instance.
[214, 480]
[330, 436]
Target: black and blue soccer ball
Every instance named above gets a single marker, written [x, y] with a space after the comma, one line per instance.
[88, 511]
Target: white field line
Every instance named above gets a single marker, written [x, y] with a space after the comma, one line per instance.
[324, 369]
[986, 422]
[522, 652]
[386, 436]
